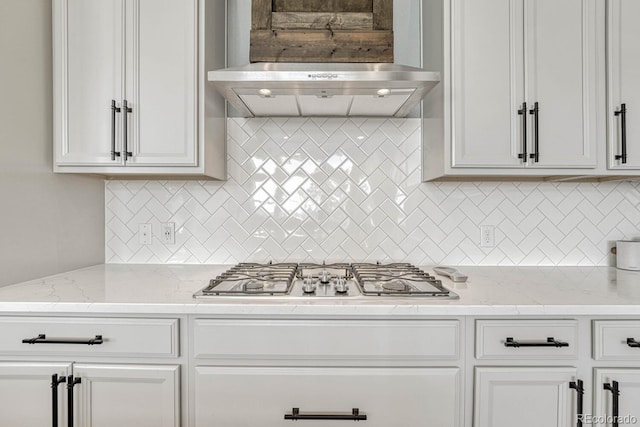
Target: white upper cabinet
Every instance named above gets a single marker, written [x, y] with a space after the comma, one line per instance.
[488, 82]
[522, 90]
[88, 55]
[127, 88]
[623, 55]
[524, 83]
[161, 82]
[561, 77]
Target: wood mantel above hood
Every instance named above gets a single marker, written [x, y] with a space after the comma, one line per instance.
[322, 31]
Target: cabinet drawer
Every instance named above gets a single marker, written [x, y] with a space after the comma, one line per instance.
[259, 396]
[373, 340]
[611, 340]
[529, 339]
[120, 337]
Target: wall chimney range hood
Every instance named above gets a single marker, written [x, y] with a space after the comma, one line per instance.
[274, 89]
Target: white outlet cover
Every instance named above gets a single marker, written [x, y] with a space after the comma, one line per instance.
[144, 234]
[168, 233]
[487, 236]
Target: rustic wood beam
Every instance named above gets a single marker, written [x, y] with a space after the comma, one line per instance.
[322, 5]
[321, 46]
[261, 14]
[321, 21]
[383, 14]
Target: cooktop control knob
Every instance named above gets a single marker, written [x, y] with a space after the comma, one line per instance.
[340, 285]
[309, 285]
[325, 277]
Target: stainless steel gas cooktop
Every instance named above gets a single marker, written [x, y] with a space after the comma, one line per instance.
[338, 280]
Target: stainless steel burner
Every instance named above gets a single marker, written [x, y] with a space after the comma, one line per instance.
[253, 286]
[396, 286]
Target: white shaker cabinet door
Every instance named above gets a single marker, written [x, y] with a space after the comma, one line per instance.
[256, 396]
[26, 393]
[488, 83]
[622, 385]
[524, 397]
[161, 82]
[88, 75]
[562, 77]
[127, 395]
[623, 34]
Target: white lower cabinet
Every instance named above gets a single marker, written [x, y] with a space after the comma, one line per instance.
[137, 391]
[127, 395]
[524, 397]
[617, 397]
[263, 396]
[103, 395]
[26, 398]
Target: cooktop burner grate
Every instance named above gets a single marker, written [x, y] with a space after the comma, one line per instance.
[396, 279]
[325, 280]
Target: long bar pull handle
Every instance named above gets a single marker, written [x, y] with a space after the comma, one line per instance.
[550, 342]
[523, 112]
[578, 386]
[535, 156]
[42, 339]
[622, 112]
[631, 342]
[355, 415]
[615, 392]
[126, 109]
[71, 382]
[114, 110]
[55, 382]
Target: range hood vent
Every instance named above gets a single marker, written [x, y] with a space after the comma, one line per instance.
[323, 89]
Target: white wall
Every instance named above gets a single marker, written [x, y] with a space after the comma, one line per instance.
[50, 223]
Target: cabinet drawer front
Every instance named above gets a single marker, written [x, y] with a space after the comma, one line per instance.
[399, 397]
[327, 340]
[529, 339]
[612, 340]
[120, 337]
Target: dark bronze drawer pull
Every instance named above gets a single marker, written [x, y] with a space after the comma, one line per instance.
[631, 342]
[354, 416]
[42, 339]
[550, 342]
[615, 404]
[578, 386]
[55, 382]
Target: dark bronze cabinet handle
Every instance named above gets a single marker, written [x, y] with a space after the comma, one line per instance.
[42, 339]
[578, 386]
[631, 342]
[55, 382]
[354, 416]
[523, 112]
[615, 393]
[71, 382]
[550, 342]
[622, 112]
[114, 110]
[126, 109]
[535, 156]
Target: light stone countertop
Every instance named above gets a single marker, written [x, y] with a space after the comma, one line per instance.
[168, 289]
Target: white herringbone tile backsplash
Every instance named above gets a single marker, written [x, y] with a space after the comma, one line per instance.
[350, 189]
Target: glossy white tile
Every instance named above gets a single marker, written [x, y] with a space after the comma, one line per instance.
[335, 188]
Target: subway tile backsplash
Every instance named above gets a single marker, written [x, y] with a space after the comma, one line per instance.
[350, 189]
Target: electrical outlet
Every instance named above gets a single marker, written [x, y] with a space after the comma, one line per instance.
[487, 236]
[168, 233]
[144, 234]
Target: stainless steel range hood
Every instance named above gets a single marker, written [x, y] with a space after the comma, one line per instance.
[324, 89]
